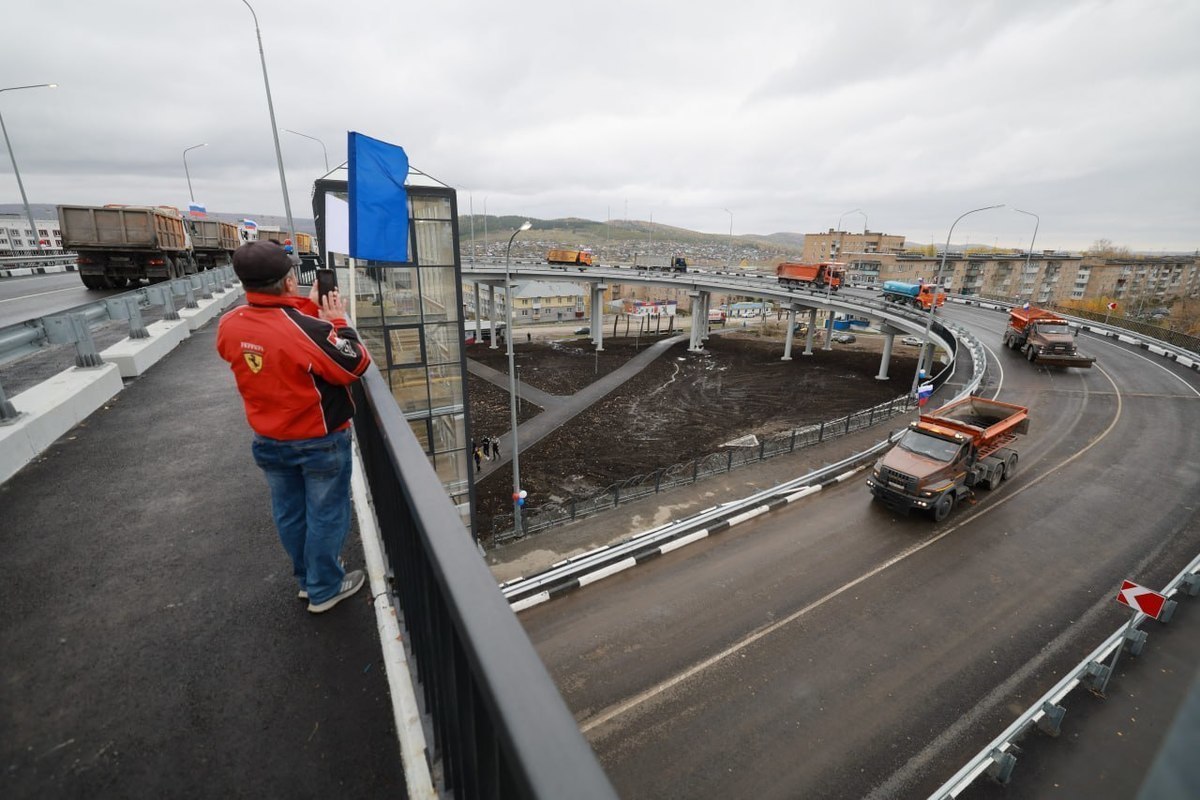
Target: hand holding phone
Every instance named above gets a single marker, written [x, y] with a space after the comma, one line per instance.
[326, 283]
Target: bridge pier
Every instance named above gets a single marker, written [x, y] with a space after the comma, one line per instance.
[791, 329]
[812, 325]
[478, 310]
[699, 331]
[492, 309]
[598, 289]
[889, 339]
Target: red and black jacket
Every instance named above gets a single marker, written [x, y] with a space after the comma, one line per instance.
[293, 368]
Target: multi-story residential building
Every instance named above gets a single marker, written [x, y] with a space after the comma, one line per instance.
[1048, 276]
[17, 239]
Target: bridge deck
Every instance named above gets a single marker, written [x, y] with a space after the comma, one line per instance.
[153, 642]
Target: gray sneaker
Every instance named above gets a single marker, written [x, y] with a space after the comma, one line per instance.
[350, 584]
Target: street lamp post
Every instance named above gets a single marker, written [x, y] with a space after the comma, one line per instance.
[512, 381]
[1036, 222]
[829, 276]
[318, 141]
[937, 286]
[13, 157]
[287, 204]
[188, 174]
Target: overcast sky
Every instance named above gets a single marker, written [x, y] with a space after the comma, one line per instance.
[787, 113]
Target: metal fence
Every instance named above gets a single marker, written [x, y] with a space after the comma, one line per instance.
[500, 726]
[639, 486]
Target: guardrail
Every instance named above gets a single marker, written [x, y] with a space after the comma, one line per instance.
[25, 337]
[501, 729]
[30, 262]
[1047, 712]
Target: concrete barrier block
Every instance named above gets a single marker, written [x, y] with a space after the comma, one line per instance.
[199, 317]
[52, 408]
[135, 356]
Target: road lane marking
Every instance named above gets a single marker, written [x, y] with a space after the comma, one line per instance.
[40, 294]
[624, 706]
[1155, 363]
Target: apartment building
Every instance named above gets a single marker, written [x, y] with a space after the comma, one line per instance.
[17, 239]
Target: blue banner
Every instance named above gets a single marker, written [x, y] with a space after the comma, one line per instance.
[378, 200]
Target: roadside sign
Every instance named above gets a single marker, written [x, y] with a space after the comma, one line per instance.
[1139, 598]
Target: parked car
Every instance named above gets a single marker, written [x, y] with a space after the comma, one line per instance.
[583, 331]
[844, 338]
[912, 340]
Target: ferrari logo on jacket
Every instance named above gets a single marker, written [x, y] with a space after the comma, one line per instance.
[254, 361]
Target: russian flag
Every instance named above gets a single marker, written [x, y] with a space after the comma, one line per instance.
[923, 393]
[250, 224]
[1026, 306]
[378, 199]
[197, 210]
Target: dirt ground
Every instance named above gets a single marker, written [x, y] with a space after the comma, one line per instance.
[684, 405]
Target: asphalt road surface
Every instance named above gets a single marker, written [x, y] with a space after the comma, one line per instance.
[836, 649]
[34, 296]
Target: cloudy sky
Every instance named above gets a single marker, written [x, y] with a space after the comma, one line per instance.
[775, 115]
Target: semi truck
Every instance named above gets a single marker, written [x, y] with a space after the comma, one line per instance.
[580, 257]
[122, 245]
[943, 456]
[917, 295]
[1044, 337]
[213, 242]
[806, 276]
[672, 264]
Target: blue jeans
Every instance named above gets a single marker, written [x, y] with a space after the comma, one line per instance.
[310, 500]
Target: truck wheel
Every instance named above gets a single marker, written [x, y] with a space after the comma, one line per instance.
[94, 281]
[943, 507]
[1029, 354]
[1010, 467]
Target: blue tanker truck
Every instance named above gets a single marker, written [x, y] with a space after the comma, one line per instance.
[918, 295]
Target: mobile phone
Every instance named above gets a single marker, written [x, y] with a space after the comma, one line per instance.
[326, 283]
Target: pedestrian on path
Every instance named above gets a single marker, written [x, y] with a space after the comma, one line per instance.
[496, 447]
[487, 447]
[294, 359]
[478, 459]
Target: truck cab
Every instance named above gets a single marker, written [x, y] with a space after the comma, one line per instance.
[1043, 337]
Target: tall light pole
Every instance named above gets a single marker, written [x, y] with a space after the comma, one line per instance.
[287, 204]
[318, 141]
[24, 200]
[729, 260]
[1036, 222]
[937, 287]
[512, 381]
[188, 174]
[829, 276]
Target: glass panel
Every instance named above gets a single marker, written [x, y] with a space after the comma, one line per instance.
[409, 389]
[449, 433]
[373, 339]
[439, 294]
[446, 386]
[435, 243]
[420, 429]
[442, 343]
[400, 300]
[452, 469]
[429, 207]
[406, 346]
[367, 308]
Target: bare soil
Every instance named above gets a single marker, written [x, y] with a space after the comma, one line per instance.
[682, 406]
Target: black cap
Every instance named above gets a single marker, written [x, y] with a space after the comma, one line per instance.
[261, 263]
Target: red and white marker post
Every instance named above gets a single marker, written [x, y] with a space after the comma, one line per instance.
[1142, 601]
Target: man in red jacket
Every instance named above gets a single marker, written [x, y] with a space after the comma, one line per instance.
[294, 362]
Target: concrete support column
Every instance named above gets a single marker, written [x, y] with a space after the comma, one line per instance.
[889, 338]
[478, 310]
[828, 329]
[697, 324]
[791, 329]
[494, 315]
[812, 330]
[926, 360]
[598, 315]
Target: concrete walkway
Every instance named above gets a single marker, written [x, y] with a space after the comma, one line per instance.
[558, 410]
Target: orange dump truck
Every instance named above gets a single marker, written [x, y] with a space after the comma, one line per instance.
[804, 276]
[944, 455]
[1044, 337]
[569, 257]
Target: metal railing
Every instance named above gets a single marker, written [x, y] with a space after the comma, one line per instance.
[500, 727]
[1046, 713]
